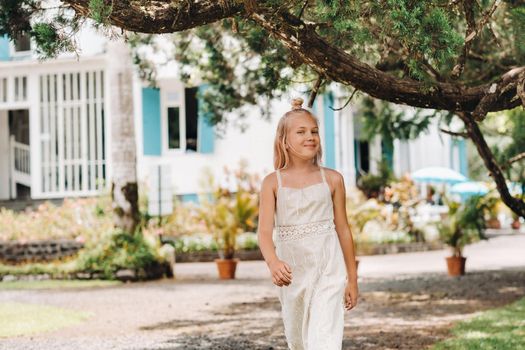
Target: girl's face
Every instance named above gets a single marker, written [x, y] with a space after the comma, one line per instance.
[303, 137]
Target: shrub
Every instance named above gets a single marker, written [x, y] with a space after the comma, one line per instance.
[119, 250]
[464, 225]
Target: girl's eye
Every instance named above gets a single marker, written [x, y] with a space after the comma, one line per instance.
[315, 132]
[300, 132]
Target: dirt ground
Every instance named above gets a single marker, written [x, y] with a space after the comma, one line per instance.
[197, 311]
[404, 313]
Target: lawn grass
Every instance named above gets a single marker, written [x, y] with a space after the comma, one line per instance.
[56, 284]
[18, 319]
[497, 329]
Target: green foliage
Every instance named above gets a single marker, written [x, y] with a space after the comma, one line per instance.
[388, 121]
[464, 224]
[226, 214]
[15, 17]
[500, 329]
[371, 184]
[49, 40]
[53, 270]
[118, 250]
[56, 284]
[100, 12]
[205, 242]
[26, 319]
[510, 144]
[517, 23]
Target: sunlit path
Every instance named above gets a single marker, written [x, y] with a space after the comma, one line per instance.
[199, 312]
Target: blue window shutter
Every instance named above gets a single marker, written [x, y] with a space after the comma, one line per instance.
[4, 48]
[190, 198]
[387, 151]
[151, 123]
[329, 130]
[205, 131]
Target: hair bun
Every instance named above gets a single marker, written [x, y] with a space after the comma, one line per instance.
[297, 103]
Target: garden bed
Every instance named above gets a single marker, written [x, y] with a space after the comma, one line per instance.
[17, 252]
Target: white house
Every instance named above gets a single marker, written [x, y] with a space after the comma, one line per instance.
[55, 137]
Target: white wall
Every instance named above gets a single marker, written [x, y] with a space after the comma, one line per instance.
[4, 155]
[429, 149]
[255, 146]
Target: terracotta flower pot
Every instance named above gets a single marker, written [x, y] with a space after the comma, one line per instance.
[456, 265]
[494, 224]
[516, 224]
[226, 268]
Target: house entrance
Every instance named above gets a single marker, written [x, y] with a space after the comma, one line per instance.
[15, 160]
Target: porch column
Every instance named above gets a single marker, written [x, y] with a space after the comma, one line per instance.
[33, 91]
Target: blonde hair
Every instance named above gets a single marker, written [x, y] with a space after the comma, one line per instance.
[281, 159]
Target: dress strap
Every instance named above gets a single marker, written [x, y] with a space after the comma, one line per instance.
[322, 174]
[279, 181]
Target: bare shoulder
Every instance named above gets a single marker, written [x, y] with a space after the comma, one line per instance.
[334, 178]
[269, 182]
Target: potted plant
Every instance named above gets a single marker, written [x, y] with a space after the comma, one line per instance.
[464, 224]
[515, 221]
[226, 216]
[224, 228]
[491, 212]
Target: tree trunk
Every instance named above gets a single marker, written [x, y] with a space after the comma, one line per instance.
[515, 204]
[124, 190]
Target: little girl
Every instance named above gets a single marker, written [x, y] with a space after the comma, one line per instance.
[311, 256]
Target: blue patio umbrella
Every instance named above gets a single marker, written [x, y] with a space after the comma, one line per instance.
[514, 188]
[470, 188]
[438, 175]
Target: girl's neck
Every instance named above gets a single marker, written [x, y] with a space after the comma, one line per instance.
[301, 165]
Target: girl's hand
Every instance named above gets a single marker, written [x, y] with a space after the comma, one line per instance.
[350, 296]
[281, 273]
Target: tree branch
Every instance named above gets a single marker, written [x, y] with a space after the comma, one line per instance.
[514, 159]
[163, 16]
[472, 32]
[468, 7]
[457, 134]
[315, 90]
[509, 81]
[342, 67]
[515, 204]
[520, 89]
[346, 103]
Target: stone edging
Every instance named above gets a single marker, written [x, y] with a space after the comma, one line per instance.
[41, 251]
[394, 248]
[38, 251]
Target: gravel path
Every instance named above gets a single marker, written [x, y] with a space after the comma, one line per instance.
[406, 302]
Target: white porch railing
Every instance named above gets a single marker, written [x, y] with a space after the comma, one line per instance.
[20, 164]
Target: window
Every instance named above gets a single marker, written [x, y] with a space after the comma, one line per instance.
[23, 43]
[362, 159]
[181, 119]
[190, 101]
[174, 141]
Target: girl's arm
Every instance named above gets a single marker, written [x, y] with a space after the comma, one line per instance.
[281, 272]
[345, 239]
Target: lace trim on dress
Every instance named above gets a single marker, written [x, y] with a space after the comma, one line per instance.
[296, 232]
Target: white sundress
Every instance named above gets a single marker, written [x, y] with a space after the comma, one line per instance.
[305, 238]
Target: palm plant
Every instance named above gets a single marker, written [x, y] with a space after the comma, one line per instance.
[465, 224]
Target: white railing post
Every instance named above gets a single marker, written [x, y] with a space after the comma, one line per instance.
[13, 193]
